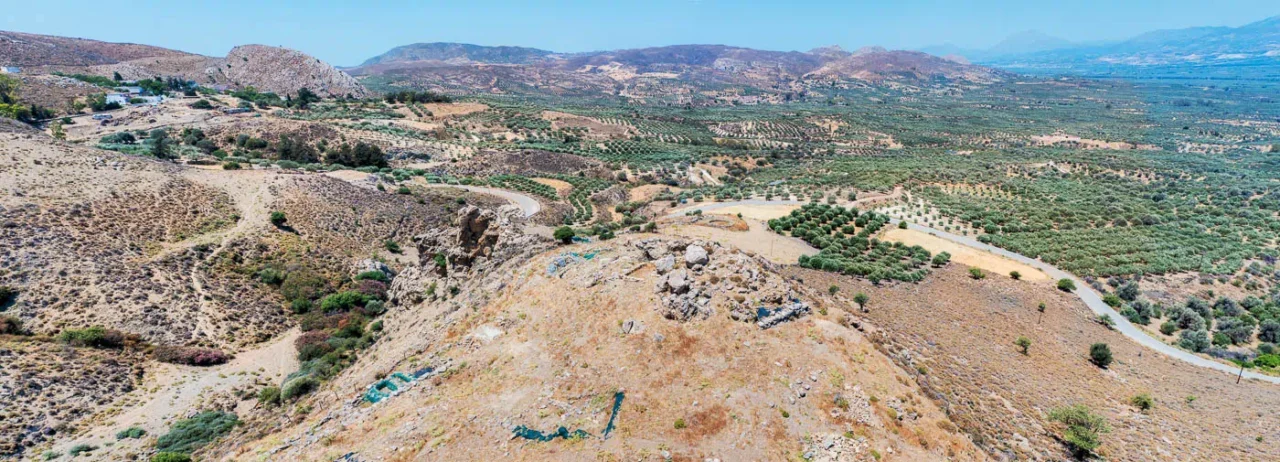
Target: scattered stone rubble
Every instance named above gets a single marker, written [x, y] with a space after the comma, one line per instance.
[693, 274]
[836, 448]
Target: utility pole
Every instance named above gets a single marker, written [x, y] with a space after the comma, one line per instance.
[1241, 373]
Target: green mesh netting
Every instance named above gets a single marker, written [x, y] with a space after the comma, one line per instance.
[561, 432]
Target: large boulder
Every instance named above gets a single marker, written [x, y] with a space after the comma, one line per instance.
[695, 256]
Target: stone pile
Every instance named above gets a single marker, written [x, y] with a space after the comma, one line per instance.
[696, 276]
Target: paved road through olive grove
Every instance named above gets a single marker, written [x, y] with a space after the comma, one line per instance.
[1086, 293]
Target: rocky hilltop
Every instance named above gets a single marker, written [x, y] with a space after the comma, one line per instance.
[285, 71]
[279, 70]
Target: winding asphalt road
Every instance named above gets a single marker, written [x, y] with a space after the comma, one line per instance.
[529, 205]
[1086, 293]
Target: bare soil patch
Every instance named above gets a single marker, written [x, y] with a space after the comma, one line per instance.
[963, 254]
[453, 109]
[648, 191]
[562, 187]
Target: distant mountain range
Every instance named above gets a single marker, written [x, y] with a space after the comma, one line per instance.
[653, 71]
[1249, 51]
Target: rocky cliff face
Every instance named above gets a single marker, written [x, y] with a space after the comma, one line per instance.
[285, 71]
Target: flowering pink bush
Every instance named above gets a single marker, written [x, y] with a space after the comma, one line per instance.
[191, 356]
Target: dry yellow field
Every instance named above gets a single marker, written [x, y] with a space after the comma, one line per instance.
[964, 255]
[562, 187]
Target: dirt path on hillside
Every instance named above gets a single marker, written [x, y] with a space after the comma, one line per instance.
[251, 193]
[170, 392]
[249, 190]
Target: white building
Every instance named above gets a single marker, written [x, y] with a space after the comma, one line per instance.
[10, 70]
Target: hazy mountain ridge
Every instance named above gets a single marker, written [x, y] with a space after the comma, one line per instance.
[653, 70]
[1194, 50]
[459, 52]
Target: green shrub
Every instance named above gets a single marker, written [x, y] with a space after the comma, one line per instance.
[301, 285]
[977, 273]
[94, 337]
[131, 432]
[300, 306]
[231, 166]
[7, 296]
[1112, 300]
[680, 425]
[564, 234]
[391, 246]
[1066, 285]
[374, 275]
[374, 308]
[190, 434]
[1083, 428]
[1015, 275]
[80, 449]
[1142, 401]
[342, 301]
[10, 325]
[278, 219]
[269, 396]
[271, 276]
[1168, 327]
[1195, 340]
[170, 457]
[298, 387]
[1024, 343]
[1100, 354]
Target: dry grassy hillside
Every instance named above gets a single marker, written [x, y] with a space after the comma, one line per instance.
[544, 339]
[960, 334]
[165, 254]
[20, 49]
[96, 238]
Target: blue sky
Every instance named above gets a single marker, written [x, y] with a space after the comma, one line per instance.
[346, 33]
